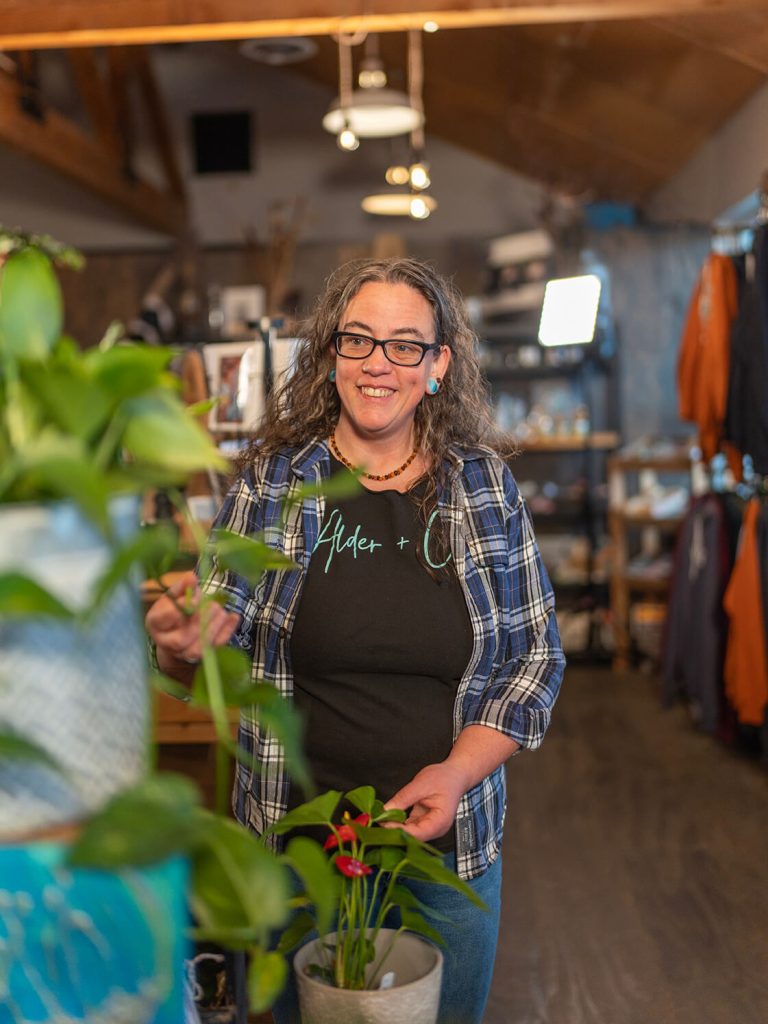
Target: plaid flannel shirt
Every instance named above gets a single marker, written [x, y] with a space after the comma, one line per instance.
[516, 667]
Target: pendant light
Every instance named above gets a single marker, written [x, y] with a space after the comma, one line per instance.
[414, 203]
[372, 111]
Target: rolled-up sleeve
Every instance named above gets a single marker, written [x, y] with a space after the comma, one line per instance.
[519, 697]
[238, 514]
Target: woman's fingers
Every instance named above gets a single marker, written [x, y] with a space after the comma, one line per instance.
[174, 622]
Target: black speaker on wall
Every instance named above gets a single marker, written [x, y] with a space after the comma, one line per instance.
[223, 142]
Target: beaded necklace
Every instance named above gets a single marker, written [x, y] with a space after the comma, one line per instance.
[371, 476]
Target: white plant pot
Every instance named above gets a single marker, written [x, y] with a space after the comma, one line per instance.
[79, 692]
[414, 999]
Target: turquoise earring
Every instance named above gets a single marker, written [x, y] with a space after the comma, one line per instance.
[332, 375]
[433, 386]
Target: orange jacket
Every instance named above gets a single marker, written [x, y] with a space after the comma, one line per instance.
[705, 352]
[746, 659]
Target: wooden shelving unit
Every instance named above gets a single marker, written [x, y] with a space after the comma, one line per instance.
[623, 525]
[604, 440]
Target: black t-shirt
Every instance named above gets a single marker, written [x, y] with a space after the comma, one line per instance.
[378, 649]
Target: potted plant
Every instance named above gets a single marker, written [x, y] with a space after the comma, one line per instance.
[99, 854]
[90, 836]
[382, 963]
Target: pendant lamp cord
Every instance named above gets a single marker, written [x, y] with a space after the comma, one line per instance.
[416, 84]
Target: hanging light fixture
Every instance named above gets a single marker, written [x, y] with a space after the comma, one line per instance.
[400, 204]
[372, 111]
[415, 202]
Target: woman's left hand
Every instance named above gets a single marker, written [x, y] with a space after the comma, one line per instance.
[434, 794]
[433, 798]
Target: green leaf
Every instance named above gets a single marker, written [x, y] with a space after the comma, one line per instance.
[160, 432]
[16, 747]
[414, 922]
[129, 369]
[235, 673]
[246, 556]
[202, 407]
[153, 548]
[278, 715]
[301, 925]
[76, 404]
[31, 312]
[267, 974]
[164, 684]
[113, 334]
[363, 798]
[57, 465]
[314, 812]
[385, 857]
[403, 897]
[380, 836]
[236, 881]
[321, 880]
[21, 597]
[436, 871]
[395, 814]
[142, 825]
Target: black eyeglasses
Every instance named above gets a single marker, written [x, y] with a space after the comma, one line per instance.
[398, 351]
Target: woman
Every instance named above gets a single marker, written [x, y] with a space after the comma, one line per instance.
[418, 636]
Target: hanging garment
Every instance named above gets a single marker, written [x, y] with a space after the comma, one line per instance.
[746, 421]
[704, 360]
[696, 629]
[746, 659]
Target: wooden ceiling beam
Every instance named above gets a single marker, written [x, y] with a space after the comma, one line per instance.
[45, 24]
[61, 145]
[159, 124]
[93, 92]
[743, 38]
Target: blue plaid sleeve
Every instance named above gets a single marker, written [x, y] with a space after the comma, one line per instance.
[518, 699]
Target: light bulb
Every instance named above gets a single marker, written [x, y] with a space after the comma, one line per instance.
[347, 140]
[372, 78]
[396, 175]
[419, 176]
[430, 26]
[419, 209]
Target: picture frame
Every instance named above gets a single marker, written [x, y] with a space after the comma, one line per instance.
[236, 376]
[241, 306]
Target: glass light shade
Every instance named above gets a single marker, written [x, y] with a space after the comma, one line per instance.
[374, 114]
[397, 204]
[569, 312]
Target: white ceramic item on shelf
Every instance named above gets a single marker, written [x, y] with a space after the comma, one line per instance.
[417, 966]
[77, 690]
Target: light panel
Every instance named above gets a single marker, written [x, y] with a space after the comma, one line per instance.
[569, 312]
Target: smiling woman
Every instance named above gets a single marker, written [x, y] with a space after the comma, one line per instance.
[416, 633]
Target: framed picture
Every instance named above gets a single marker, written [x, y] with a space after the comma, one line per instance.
[240, 306]
[236, 376]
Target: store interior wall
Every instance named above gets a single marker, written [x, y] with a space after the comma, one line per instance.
[653, 267]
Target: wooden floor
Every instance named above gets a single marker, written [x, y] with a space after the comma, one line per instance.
[635, 869]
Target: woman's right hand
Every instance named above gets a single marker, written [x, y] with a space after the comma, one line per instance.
[176, 634]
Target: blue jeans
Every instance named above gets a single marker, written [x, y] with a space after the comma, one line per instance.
[470, 938]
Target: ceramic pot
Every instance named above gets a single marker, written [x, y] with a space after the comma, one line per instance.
[414, 998]
[78, 690]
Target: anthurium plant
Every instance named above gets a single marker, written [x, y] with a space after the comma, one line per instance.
[371, 857]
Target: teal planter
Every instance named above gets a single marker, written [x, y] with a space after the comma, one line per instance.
[93, 946]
